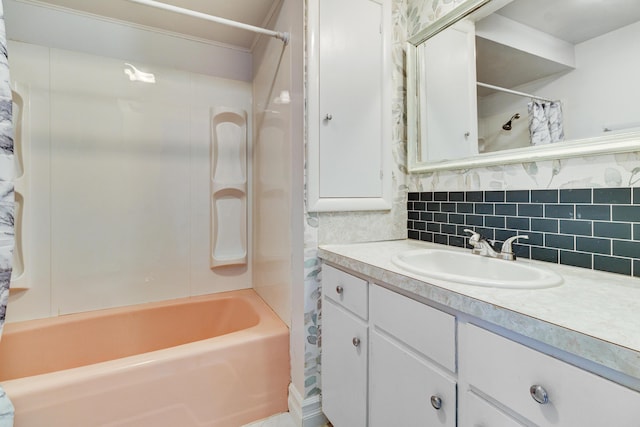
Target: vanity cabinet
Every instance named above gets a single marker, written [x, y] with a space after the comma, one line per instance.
[392, 364]
[344, 348]
[390, 360]
[412, 363]
[536, 387]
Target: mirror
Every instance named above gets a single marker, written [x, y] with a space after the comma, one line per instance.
[509, 81]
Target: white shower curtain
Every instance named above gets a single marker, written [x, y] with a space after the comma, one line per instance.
[6, 200]
[545, 122]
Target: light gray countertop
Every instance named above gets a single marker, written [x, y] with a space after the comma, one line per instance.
[593, 315]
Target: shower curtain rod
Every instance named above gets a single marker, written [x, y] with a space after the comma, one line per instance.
[281, 36]
[513, 92]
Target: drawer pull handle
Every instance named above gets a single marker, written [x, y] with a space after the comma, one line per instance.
[436, 402]
[539, 394]
[339, 289]
[356, 342]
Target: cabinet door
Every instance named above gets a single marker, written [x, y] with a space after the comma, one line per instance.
[506, 371]
[349, 105]
[477, 412]
[401, 388]
[344, 367]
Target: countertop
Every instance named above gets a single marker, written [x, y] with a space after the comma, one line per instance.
[593, 315]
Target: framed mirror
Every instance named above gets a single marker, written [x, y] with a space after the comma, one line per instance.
[514, 81]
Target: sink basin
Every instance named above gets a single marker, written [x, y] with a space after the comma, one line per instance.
[475, 270]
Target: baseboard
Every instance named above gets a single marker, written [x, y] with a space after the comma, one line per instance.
[305, 412]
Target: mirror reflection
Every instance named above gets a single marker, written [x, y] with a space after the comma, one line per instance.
[545, 72]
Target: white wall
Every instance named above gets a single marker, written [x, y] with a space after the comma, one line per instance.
[118, 205]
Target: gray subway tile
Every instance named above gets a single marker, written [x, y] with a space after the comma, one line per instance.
[426, 236]
[548, 225]
[544, 254]
[636, 268]
[443, 239]
[531, 210]
[432, 207]
[413, 196]
[456, 196]
[474, 220]
[559, 211]
[412, 234]
[440, 196]
[611, 264]
[426, 196]
[426, 216]
[612, 196]
[593, 245]
[518, 223]
[440, 217]
[494, 196]
[517, 196]
[598, 212]
[626, 213]
[506, 209]
[576, 259]
[494, 221]
[484, 208]
[583, 228]
[464, 207]
[626, 248]
[474, 196]
[581, 195]
[448, 207]
[559, 241]
[619, 230]
[544, 196]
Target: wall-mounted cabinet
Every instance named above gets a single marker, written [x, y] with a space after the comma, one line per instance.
[349, 110]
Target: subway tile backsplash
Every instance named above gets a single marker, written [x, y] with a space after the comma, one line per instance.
[590, 228]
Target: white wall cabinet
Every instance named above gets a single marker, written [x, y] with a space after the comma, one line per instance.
[407, 371]
[349, 110]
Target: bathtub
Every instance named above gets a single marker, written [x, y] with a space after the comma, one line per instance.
[219, 360]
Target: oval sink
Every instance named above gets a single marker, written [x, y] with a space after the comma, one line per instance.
[475, 270]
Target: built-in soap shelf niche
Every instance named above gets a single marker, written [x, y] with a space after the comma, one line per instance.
[21, 146]
[228, 187]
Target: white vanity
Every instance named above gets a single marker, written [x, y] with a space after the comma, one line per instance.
[400, 349]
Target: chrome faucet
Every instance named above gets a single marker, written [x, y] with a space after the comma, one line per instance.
[483, 247]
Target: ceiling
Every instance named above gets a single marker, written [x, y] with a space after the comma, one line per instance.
[573, 21]
[253, 12]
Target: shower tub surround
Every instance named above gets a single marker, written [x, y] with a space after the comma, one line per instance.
[595, 228]
[217, 360]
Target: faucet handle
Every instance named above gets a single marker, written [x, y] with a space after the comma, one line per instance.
[507, 249]
[475, 237]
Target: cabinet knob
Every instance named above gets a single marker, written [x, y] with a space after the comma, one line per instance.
[328, 117]
[356, 341]
[339, 289]
[436, 402]
[539, 394]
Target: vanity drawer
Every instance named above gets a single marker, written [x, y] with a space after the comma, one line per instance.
[423, 328]
[505, 371]
[349, 291]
